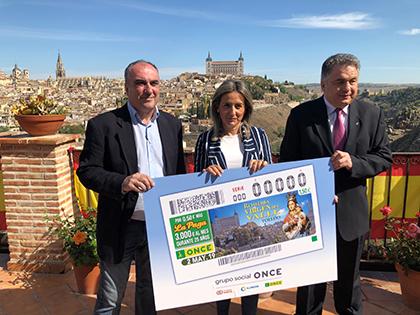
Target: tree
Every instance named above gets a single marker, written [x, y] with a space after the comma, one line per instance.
[242, 236]
[206, 101]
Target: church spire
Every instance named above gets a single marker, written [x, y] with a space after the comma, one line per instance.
[59, 71]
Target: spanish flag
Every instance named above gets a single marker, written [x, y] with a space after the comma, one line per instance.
[398, 188]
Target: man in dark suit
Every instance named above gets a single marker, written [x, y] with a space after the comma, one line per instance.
[124, 150]
[355, 139]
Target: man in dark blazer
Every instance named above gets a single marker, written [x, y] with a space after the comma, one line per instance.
[124, 149]
[310, 134]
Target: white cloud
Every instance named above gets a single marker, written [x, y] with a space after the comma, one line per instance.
[54, 34]
[413, 31]
[166, 10]
[351, 21]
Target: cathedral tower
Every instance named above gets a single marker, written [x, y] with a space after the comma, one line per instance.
[60, 73]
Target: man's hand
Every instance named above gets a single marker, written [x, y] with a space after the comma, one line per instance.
[137, 182]
[256, 165]
[341, 159]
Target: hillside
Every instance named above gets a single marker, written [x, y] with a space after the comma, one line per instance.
[273, 120]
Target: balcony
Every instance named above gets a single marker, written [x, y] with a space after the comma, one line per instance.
[28, 271]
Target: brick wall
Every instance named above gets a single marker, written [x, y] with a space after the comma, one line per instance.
[37, 177]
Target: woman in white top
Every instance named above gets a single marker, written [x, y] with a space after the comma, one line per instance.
[232, 143]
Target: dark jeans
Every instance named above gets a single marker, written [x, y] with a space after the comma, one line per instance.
[114, 277]
[249, 305]
[347, 289]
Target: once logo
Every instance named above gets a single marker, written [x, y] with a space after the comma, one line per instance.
[267, 273]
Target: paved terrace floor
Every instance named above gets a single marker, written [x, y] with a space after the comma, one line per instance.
[39, 294]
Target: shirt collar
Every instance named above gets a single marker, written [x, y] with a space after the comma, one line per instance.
[331, 108]
[135, 117]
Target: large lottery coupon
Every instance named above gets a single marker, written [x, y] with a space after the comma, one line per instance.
[234, 225]
[213, 238]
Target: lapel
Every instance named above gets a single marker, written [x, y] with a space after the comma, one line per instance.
[321, 124]
[167, 145]
[354, 126]
[125, 136]
[215, 154]
[250, 148]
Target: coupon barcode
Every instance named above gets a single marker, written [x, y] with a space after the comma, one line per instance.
[197, 202]
[249, 255]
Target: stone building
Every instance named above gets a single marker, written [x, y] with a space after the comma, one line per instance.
[224, 67]
[221, 225]
[90, 83]
[18, 74]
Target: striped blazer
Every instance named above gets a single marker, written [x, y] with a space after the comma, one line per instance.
[208, 152]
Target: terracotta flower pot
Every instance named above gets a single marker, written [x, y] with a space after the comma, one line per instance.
[87, 278]
[40, 125]
[410, 287]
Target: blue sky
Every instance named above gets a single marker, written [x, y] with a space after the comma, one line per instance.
[285, 40]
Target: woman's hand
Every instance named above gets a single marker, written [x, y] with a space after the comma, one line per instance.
[215, 170]
[256, 165]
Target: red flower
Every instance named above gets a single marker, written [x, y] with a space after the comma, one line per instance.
[412, 235]
[418, 214]
[385, 256]
[413, 228]
[386, 210]
[376, 240]
[84, 214]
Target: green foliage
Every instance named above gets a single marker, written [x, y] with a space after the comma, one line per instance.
[282, 88]
[281, 130]
[397, 100]
[275, 146]
[38, 105]
[258, 86]
[244, 235]
[120, 102]
[314, 97]
[200, 112]
[404, 247]
[4, 129]
[296, 97]
[78, 233]
[72, 129]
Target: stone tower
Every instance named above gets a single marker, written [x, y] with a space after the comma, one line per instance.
[60, 73]
[209, 68]
[240, 64]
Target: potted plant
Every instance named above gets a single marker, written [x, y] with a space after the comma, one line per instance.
[39, 116]
[404, 251]
[78, 233]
